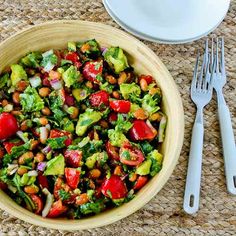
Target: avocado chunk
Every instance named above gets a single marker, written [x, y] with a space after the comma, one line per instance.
[116, 58]
[156, 159]
[86, 119]
[68, 125]
[144, 168]
[127, 89]
[18, 73]
[55, 166]
[79, 94]
[117, 138]
[71, 46]
[90, 161]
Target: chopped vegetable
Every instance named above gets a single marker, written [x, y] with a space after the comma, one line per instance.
[18, 73]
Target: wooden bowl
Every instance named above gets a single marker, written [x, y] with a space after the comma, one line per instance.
[55, 35]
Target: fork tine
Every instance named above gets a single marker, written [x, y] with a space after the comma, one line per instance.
[207, 78]
[222, 59]
[194, 81]
[212, 52]
[217, 55]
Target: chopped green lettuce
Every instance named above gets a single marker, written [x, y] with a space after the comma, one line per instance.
[92, 207]
[33, 59]
[56, 143]
[31, 101]
[4, 80]
[128, 89]
[49, 60]
[156, 159]
[150, 104]
[71, 46]
[117, 138]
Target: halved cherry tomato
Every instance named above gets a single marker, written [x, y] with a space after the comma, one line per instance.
[54, 133]
[114, 187]
[43, 181]
[57, 209]
[148, 78]
[141, 181]
[113, 152]
[72, 56]
[120, 106]
[72, 177]
[142, 131]
[73, 158]
[112, 118]
[8, 125]
[9, 145]
[92, 69]
[37, 202]
[3, 186]
[130, 155]
[99, 99]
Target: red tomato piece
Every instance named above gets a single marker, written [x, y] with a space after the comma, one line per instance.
[54, 133]
[8, 125]
[43, 181]
[113, 152]
[120, 106]
[130, 155]
[141, 181]
[114, 187]
[98, 99]
[72, 177]
[9, 145]
[112, 118]
[142, 131]
[92, 69]
[73, 158]
[72, 56]
[37, 202]
[62, 94]
[46, 81]
[3, 186]
[148, 78]
[57, 209]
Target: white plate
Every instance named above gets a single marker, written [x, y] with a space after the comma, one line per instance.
[168, 21]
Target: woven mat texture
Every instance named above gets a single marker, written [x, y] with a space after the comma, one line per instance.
[163, 215]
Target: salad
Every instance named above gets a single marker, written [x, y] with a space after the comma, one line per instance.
[79, 130]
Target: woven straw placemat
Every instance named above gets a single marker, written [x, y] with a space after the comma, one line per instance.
[163, 215]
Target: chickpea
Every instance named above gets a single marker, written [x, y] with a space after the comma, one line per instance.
[46, 111]
[4, 102]
[43, 121]
[54, 74]
[22, 85]
[44, 92]
[155, 117]
[82, 199]
[16, 97]
[116, 94]
[91, 184]
[141, 114]
[122, 78]
[118, 170]
[34, 144]
[153, 91]
[143, 84]
[32, 189]
[104, 124]
[22, 170]
[75, 113]
[16, 113]
[95, 173]
[24, 125]
[89, 84]
[133, 177]
[111, 79]
[39, 157]
[22, 159]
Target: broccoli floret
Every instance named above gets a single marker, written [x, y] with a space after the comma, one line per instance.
[150, 104]
[128, 89]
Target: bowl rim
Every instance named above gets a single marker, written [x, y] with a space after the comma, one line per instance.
[82, 224]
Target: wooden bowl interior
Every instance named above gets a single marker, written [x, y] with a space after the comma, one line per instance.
[56, 35]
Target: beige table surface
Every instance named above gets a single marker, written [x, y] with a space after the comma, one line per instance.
[163, 215]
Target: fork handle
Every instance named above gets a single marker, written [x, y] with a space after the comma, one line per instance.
[228, 143]
[193, 181]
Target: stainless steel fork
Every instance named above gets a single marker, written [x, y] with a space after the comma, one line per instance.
[201, 94]
[227, 135]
